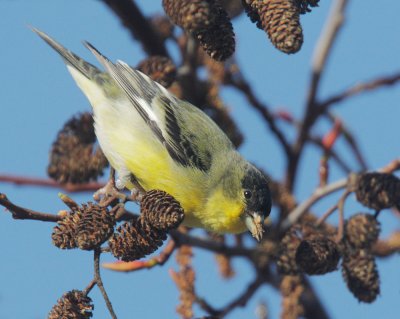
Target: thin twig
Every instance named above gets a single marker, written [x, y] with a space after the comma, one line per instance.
[318, 194]
[341, 215]
[351, 141]
[217, 247]
[313, 308]
[44, 182]
[387, 247]
[239, 82]
[239, 301]
[391, 167]
[89, 287]
[99, 282]
[328, 213]
[321, 54]
[324, 46]
[133, 19]
[376, 83]
[135, 265]
[331, 153]
[19, 212]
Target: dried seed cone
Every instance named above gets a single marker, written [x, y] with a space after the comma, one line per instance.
[73, 156]
[280, 19]
[163, 26]
[304, 5]
[362, 230]
[135, 240]
[72, 305]
[190, 15]
[95, 226]
[64, 232]
[378, 190]
[218, 40]
[159, 68]
[317, 256]
[286, 261]
[161, 210]
[361, 275]
[207, 21]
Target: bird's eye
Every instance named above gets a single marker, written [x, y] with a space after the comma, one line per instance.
[247, 194]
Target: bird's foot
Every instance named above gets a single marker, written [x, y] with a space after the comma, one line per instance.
[137, 194]
[109, 194]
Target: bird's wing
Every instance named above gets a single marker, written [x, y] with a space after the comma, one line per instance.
[190, 137]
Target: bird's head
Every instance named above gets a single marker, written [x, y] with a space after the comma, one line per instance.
[257, 200]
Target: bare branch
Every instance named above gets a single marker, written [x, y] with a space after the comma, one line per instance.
[351, 141]
[388, 247]
[89, 287]
[239, 301]
[318, 194]
[99, 282]
[377, 83]
[19, 212]
[218, 247]
[240, 83]
[135, 265]
[321, 54]
[140, 28]
[44, 182]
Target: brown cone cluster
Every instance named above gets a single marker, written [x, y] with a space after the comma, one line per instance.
[161, 210]
[361, 275]
[378, 190]
[137, 238]
[85, 227]
[280, 19]
[317, 256]
[95, 226]
[72, 305]
[207, 21]
[362, 230]
[159, 68]
[74, 158]
[305, 249]
[163, 26]
[286, 261]
[304, 5]
[64, 232]
[358, 267]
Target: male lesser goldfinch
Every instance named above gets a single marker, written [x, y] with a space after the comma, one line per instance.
[161, 142]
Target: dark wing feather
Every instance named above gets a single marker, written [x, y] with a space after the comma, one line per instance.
[142, 92]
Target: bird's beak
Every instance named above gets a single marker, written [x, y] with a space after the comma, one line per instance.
[254, 222]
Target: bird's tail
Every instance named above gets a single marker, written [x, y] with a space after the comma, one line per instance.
[70, 58]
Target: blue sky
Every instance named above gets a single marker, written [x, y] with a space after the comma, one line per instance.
[38, 96]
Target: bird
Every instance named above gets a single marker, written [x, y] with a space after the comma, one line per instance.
[157, 141]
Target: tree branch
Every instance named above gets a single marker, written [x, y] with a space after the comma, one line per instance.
[321, 54]
[358, 89]
[318, 194]
[140, 28]
[239, 301]
[135, 265]
[19, 212]
[217, 247]
[44, 182]
[99, 282]
[240, 83]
